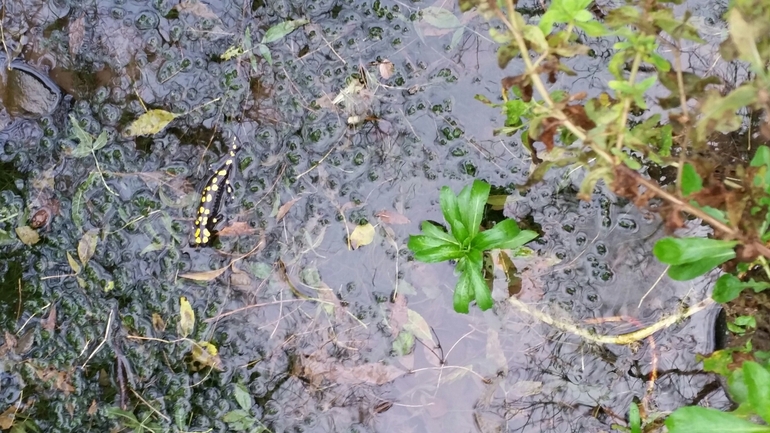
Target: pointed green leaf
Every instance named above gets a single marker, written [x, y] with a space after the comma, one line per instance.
[463, 295]
[435, 231]
[101, 141]
[762, 157]
[451, 211]
[280, 30]
[497, 235]
[439, 254]
[757, 380]
[690, 270]
[243, 397]
[473, 209]
[481, 291]
[521, 239]
[696, 419]
[677, 251]
[421, 243]
[592, 28]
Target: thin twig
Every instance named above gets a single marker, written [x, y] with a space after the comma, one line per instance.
[104, 340]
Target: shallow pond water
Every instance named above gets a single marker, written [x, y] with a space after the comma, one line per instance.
[323, 337]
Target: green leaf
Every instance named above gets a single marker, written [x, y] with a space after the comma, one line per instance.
[762, 157]
[437, 232]
[419, 243]
[481, 292]
[280, 30]
[634, 419]
[264, 51]
[235, 416]
[677, 251]
[497, 235]
[463, 294]
[506, 53]
[688, 271]
[536, 37]
[150, 123]
[519, 240]
[243, 397]
[757, 379]
[696, 419]
[728, 287]
[78, 200]
[451, 211]
[440, 18]
[592, 28]
[101, 141]
[474, 207]
[691, 181]
[439, 254]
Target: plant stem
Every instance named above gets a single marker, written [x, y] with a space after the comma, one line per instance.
[627, 103]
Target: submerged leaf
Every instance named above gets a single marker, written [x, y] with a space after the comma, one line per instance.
[27, 235]
[87, 246]
[186, 317]
[149, 123]
[362, 235]
[280, 30]
[204, 275]
[73, 264]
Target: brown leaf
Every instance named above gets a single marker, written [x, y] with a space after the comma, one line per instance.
[204, 275]
[389, 217]
[157, 323]
[61, 379]
[284, 209]
[77, 33]
[238, 228]
[577, 115]
[549, 127]
[8, 417]
[93, 408]
[50, 323]
[398, 315]
[386, 69]
[317, 370]
[195, 7]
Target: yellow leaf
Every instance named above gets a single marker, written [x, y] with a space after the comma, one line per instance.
[205, 275]
[27, 235]
[231, 52]
[87, 246]
[157, 323]
[362, 235]
[206, 354]
[73, 264]
[418, 326]
[186, 317]
[149, 123]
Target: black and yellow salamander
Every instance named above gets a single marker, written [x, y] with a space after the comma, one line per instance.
[211, 199]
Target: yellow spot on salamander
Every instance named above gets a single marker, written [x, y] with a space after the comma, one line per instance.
[214, 180]
[214, 187]
[197, 240]
[222, 172]
[206, 212]
[232, 153]
[206, 233]
[203, 199]
[228, 162]
[214, 220]
[204, 220]
[197, 233]
[205, 240]
[208, 197]
[201, 209]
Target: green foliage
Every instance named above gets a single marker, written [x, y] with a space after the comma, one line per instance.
[749, 386]
[241, 419]
[692, 257]
[466, 243]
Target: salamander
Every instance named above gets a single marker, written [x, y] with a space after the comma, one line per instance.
[211, 199]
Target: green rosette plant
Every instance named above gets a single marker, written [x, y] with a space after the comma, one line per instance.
[466, 243]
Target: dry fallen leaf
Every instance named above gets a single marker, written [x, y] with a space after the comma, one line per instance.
[77, 33]
[157, 323]
[186, 317]
[149, 123]
[49, 324]
[386, 69]
[93, 408]
[204, 275]
[362, 235]
[7, 418]
[195, 7]
[317, 370]
[73, 264]
[284, 209]
[27, 235]
[87, 246]
[389, 217]
[238, 228]
[206, 354]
